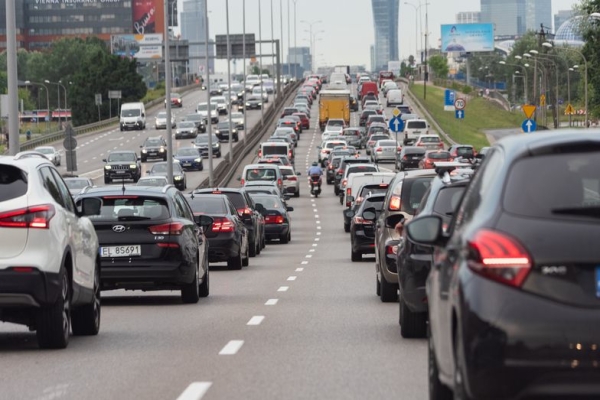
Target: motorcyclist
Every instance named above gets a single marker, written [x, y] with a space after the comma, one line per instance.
[315, 169]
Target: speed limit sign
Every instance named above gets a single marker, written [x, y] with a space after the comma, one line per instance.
[460, 104]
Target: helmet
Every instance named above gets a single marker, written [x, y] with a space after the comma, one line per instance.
[315, 164]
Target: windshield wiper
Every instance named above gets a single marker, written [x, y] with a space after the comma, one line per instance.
[589, 211]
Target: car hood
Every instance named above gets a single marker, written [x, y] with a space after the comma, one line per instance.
[186, 158]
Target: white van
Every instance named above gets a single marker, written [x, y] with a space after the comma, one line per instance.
[276, 148]
[133, 116]
[413, 129]
[394, 97]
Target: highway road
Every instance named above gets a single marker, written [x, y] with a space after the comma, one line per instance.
[301, 322]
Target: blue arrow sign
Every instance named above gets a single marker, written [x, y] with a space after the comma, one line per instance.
[396, 124]
[460, 114]
[529, 126]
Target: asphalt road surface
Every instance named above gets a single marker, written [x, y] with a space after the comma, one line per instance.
[301, 322]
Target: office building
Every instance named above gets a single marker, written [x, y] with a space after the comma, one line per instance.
[385, 20]
[300, 56]
[193, 29]
[538, 12]
[515, 17]
[468, 17]
[561, 17]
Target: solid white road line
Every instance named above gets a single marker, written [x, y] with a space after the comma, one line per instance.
[256, 320]
[291, 278]
[195, 391]
[283, 288]
[271, 302]
[231, 348]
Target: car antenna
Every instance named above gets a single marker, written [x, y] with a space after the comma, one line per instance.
[123, 186]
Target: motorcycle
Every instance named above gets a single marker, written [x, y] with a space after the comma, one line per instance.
[315, 185]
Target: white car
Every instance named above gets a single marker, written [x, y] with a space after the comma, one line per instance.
[161, 120]
[49, 263]
[238, 119]
[256, 91]
[291, 182]
[203, 108]
[153, 181]
[326, 147]
[222, 104]
[50, 153]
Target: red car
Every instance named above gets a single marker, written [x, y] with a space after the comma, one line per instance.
[304, 120]
[176, 100]
[433, 156]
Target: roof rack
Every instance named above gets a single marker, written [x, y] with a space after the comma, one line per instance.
[167, 187]
[29, 154]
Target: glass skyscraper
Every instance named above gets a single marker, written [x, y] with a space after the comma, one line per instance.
[515, 17]
[193, 29]
[385, 20]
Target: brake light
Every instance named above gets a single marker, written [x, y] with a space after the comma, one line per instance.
[358, 220]
[384, 185]
[395, 203]
[349, 192]
[441, 145]
[420, 144]
[399, 148]
[339, 171]
[499, 257]
[23, 270]
[391, 249]
[344, 182]
[30, 217]
[245, 211]
[222, 224]
[279, 182]
[292, 178]
[174, 228]
[379, 150]
[330, 167]
[168, 245]
[242, 181]
[273, 219]
[290, 154]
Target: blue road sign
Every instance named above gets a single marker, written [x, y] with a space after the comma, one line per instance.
[529, 126]
[460, 114]
[396, 124]
[449, 97]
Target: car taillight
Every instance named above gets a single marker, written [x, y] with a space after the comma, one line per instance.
[330, 167]
[370, 143]
[222, 224]
[499, 257]
[394, 203]
[399, 148]
[420, 144]
[290, 154]
[245, 211]
[358, 220]
[273, 219]
[168, 245]
[391, 249]
[339, 171]
[292, 178]
[344, 182]
[174, 228]
[279, 182]
[441, 145]
[379, 150]
[242, 181]
[349, 192]
[30, 217]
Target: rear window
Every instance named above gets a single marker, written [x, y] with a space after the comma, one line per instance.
[430, 139]
[269, 202]
[372, 189]
[266, 150]
[361, 168]
[262, 174]
[412, 193]
[331, 145]
[207, 205]
[416, 125]
[464, 151]
[132, 208]
[376, 203]
[287, 172]
[13, 182]
[387, 143]
[447, 200]
[439, 155]
[555, 186]
[237, 199]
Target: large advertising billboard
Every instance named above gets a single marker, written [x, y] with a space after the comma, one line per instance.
[148, 16]
[137, 46]
[467, 37]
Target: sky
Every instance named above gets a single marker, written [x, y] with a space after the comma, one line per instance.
[343, 29]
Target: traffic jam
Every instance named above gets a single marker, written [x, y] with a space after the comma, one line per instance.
[488, 252]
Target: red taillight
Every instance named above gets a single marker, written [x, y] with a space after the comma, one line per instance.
[259, 153]
[30, 217]
[399, 148]
[391, 249]
[339, 171]
[499, 257]
[420, 144]
[273, 219]
[344, 182]
[242, 181]
[168, 245]
[222, 224]
[405, 158]
[349, 192]
[379, 150]
[279, 182]
[330, 167]
[292, 178]
[174, 228]
[23, 270]
[394, 203]
[245, 211]
[441, 145]
[358, 220]
[290, 154]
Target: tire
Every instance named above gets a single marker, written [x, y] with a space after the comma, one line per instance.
[355, 255]
[284, 239]
[253, 248]
[246, 259]
[346, 228]
[190, 292]
[341, 200]
[54, 321]
[378, 290]
[235, 263]
[389, 291]
[258, 248]
[204, 288]
[460, 392]
[297, 194]
[437, 390]
[412, 324]
[107, 180]
[85, 320]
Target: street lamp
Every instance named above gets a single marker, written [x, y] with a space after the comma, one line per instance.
[312, 50]
[525, 74]
[57, 97]
[417, 25]
[47, 98]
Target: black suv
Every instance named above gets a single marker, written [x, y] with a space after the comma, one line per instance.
[222, 131]
[154, 147]
[122, 165]
[362, 231]
[246, 208]
[149, 240]
[201, 143]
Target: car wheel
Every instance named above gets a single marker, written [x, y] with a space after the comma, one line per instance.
[190, 292]
[235, 263]
[355, 255]
[54, 321]
[85, 320]
[204, 287]
[284, 239]
[378, 290]
[346, 228]
[246, 259]
[297, 194]
[412, 324]
[341, 200]
[253, 248]
[389, 291]
[460, 392]
[437, 390]
[144, 160]
[107, 180]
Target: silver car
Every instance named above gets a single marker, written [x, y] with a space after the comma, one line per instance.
[384, 150]
[50, 153]
[238, 119]
[291, 182]
[76, 184]
[161, 120]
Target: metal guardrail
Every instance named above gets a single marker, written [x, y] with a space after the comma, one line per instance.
[93, 127]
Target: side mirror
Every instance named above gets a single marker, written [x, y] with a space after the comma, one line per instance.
[204, 221]
[91, 206]
[392, 220]
[104, 160]
[370, 214]
[290, 208]
[425, 230]
[143, 115]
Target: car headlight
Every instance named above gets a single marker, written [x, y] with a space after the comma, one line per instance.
[161, 150]
[144, 151]
[217, 131]
[107, 167]
[177, 131]
[259, 103]
[247, 104]
[234, 130]
[178, 178]
[133, 166]
[198, 160]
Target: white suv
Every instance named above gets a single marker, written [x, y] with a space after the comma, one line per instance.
[49, 265]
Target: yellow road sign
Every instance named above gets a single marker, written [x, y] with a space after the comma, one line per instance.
[396, 112]
[569, 110]
[528, 110]
[543, 100]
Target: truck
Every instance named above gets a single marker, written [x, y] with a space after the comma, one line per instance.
[343, 69]
[334, 104]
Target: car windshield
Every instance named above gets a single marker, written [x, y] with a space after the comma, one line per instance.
[207, 204]
[125, 208]
[45, 150]
[204, 139]
[153, 143]
[162, 115]
[439, 155]
[237, 115]
[430, 139]
[131, 113]
[122, 157]
[186, 152]
[152, 181]
[175, 96]
[186, 124]
[223, 125]
[162, 167]
[76, 183]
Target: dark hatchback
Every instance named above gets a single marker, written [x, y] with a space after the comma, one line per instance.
[227, 237]
[154, 147]
[362, 193]
[179, 178]
[150, 240]
[362, 231]
[223, 133]
[189, 158]
[201, 143]
[277, 219]
[410, 157]
[514, 291]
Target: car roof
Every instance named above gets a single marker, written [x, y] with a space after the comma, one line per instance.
[260, 166]
[126, 190]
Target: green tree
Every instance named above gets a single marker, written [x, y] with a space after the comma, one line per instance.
[439, 66]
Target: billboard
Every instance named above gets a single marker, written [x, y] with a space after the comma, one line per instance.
[148, 16]
[137, 46]
[467, 37]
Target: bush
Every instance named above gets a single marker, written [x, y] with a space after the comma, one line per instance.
[466, 89]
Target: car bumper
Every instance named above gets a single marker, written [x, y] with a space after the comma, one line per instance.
[190, 164]
[34, 289]
[128, 125]
[291, 189]
[222, 248]
[276, 230]
[412, 278]
[186, 135]
[125, 175]
[144, 273]
[384, 157]
[361, 242]
[154, 155]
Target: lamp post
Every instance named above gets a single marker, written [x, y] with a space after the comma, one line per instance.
[310, 32]
[555, 64]
[524, 74]
[295, 45]
[417, 24]
[47, 98]
[228, 82]
[57, 97]
[585, 73]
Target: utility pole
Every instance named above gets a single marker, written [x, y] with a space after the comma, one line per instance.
[426, 47]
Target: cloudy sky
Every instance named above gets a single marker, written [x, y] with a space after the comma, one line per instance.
[343, 28]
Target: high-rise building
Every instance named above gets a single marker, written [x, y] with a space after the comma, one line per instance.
[515, 17]
[385, 20]
[468, 17]
[300, 56]
[193, 29]
[537, 13]
[561, 17]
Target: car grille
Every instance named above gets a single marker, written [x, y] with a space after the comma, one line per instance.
[120, 167]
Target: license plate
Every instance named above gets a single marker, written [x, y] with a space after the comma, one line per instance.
[121, 251]
[388, 150]
[121, 172]
[598, 281]
[415, 158]
[187, 164]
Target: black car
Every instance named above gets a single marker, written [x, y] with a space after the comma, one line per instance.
[227, 237]
[339, 172]
[186, 129]
[401, 201]
[216, 91]
[154, 147]
[222, 131]
[413, 261]
[277, 219]
[179, 178]
[362, 193]
[364, 115]
[197, 119]
[362, 231]
[514, 299]
[253, 103]
[201, 143]
[121, 165]
[410, 157]
[247, 210]
[150, 240]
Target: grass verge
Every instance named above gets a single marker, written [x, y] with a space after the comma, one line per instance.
[480, 115]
